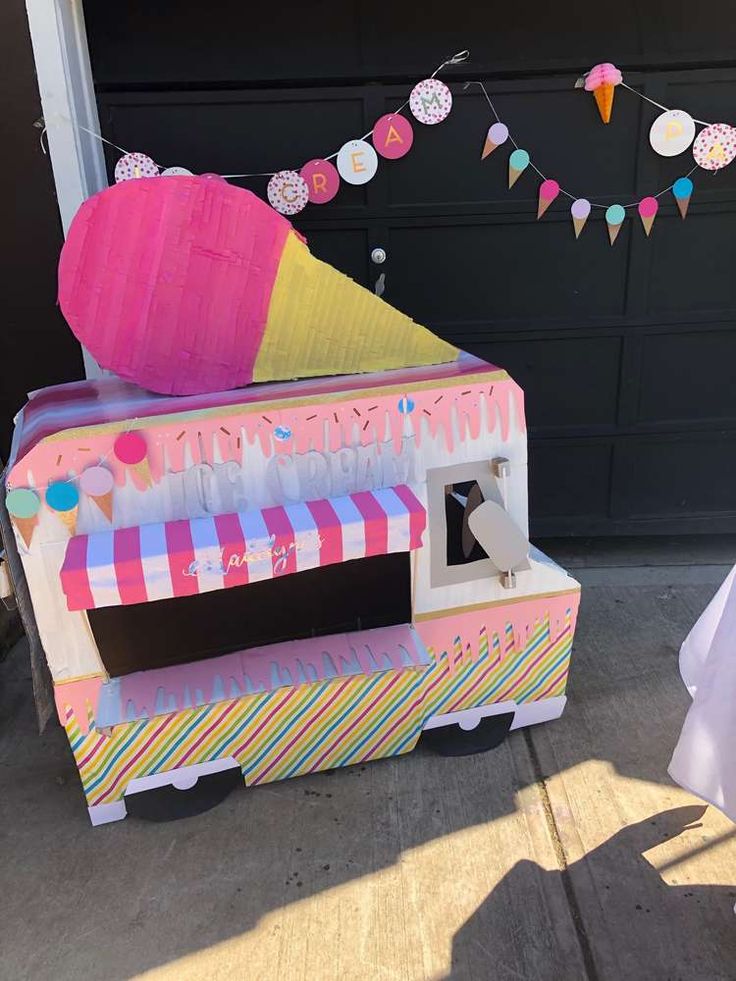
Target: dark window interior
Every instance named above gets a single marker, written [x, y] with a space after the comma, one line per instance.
[357, 595]
[462, 547]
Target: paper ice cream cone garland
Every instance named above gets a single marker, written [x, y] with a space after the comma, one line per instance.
[671, 133]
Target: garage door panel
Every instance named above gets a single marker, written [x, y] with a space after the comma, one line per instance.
[568, 382]
[449, 274]
[569, 478]
[692, 267]
[675, 476]
[688, 376]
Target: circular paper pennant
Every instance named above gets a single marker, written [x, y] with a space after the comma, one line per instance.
[715, 146]
[62, 496]
[130, 448]
[357, 162]
[176, 172]
[134, 165]
[287, 192]
[22, 502]
[323, 181]
[672, 132]
[393, 136]
[430, 101]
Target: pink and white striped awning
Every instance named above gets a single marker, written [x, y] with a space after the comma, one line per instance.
[183, 558]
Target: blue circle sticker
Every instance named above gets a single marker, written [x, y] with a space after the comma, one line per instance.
[406, 405]
[282, 433]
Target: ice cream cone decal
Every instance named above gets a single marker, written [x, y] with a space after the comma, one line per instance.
[648, 208]
[130, 449]
[548, 191]
[518, 162]
[615, 216]
[63, 499]
[682, 190]
[602, 81]
[97, 484]
[23, 505]
[233, 279]
[579, 211]
[496, 137]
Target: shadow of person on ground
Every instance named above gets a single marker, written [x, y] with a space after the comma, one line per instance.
[689, 932]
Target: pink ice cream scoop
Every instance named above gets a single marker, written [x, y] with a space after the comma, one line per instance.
[601, 81]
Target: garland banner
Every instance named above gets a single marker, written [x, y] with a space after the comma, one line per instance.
[671, 133]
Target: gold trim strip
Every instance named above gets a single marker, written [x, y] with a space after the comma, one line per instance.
[474, 607]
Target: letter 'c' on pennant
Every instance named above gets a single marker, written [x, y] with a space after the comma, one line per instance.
[393, 136]
[322, 180]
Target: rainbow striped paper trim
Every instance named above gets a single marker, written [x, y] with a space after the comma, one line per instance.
[319, 726]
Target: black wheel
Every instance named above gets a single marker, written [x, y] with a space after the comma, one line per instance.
[454, 741]
[169, 804]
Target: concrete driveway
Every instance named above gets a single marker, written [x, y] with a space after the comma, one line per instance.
[566, 853]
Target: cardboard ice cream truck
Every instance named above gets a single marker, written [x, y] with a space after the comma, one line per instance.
[289, 534]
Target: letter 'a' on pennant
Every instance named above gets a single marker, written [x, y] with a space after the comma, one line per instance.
[229, 294]
[518, 162]
[648, 208]
[580, 211]
[548, 191]
[495, 137]
[682, 190]
[615, 216]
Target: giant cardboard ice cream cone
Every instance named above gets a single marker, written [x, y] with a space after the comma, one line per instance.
[188, 284]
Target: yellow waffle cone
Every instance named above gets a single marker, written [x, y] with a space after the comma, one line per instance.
[144, 472]
[70, 519]
[104, 503]
[25, 528]
[578, 225]
[488, 147]
[322, 323]
[647, 223]
[613, 231]
[604, 100]
[514, 175]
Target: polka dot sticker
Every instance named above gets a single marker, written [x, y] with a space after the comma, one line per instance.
[134, 165]
[430, 101]
[287, 192]
[715, 146]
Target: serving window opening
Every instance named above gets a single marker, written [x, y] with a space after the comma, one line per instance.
[356, 595]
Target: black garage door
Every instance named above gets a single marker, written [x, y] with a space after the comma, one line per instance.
[627, 354]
